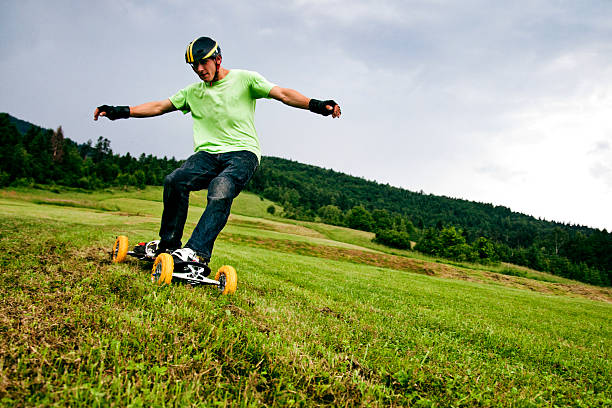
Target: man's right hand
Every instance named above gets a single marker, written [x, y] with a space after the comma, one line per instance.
[324, 108]
[112, 112]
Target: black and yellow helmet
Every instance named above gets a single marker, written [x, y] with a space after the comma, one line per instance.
[202, 48]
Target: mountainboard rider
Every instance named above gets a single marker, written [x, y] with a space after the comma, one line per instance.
[227, 151]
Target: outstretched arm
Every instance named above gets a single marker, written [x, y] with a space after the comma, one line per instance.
[293, 98]
[145, 110]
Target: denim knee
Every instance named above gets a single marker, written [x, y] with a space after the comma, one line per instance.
[221, 188]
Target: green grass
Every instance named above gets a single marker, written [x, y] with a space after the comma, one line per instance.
[307, 327]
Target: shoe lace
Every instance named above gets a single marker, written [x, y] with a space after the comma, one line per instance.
[151, 248]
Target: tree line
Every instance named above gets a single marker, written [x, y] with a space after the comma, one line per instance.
[30, 154]
[440, 226]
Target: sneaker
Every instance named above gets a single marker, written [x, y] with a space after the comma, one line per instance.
[185, 255]
[194, 272]
[139, 249]
[151, 248]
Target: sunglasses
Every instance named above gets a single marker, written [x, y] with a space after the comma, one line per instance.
[197, 63]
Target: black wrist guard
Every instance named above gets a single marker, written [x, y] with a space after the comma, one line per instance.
[115, 112]
[319, 107]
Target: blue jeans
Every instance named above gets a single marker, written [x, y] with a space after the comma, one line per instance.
[224, 175]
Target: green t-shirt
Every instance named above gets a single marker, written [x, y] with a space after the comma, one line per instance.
[223, 114]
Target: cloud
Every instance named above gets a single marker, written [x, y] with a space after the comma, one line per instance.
[602, 171]
[349, 12]
[601, 167]
[499, 173]
[600, 147]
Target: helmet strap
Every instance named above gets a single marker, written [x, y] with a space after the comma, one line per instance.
[216, 77]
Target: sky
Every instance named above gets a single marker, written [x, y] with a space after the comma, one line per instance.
[508, 103]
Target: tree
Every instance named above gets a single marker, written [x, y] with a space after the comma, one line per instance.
[291, 196]
[57, 145]
[454, 245]
[381, 219]
[535, 258]
[559, 238]
[37, 143]
[71, 167]
[330, 214]
[430, 242]
[484, 249]
[102, 150]
[140, 177]
[107, 171]
[359, 218]
[393, 239]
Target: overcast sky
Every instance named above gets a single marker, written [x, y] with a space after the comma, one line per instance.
[508, 103]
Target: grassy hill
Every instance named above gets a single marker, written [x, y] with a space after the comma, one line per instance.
[322, 317]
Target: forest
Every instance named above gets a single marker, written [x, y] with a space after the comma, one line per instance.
[440, 226]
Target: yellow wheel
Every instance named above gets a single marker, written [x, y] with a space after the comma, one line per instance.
[120, 249]
[162, 269]
[226, 275]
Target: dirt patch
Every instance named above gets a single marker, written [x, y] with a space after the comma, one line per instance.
[235, 310]
[591, 292]
[61, 201]
[327, 311]
[98, 254]
[9, 193]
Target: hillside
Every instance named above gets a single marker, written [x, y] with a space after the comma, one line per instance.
[308, 191]
[455, 229]
[322, 317]
[317, 187]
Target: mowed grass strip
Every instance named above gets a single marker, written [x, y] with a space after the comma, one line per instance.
[301, 330]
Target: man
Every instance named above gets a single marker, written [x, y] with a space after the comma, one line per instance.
[226, 146]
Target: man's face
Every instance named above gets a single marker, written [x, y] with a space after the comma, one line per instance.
[205, 69]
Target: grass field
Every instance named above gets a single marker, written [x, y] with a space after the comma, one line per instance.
[321, 317]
